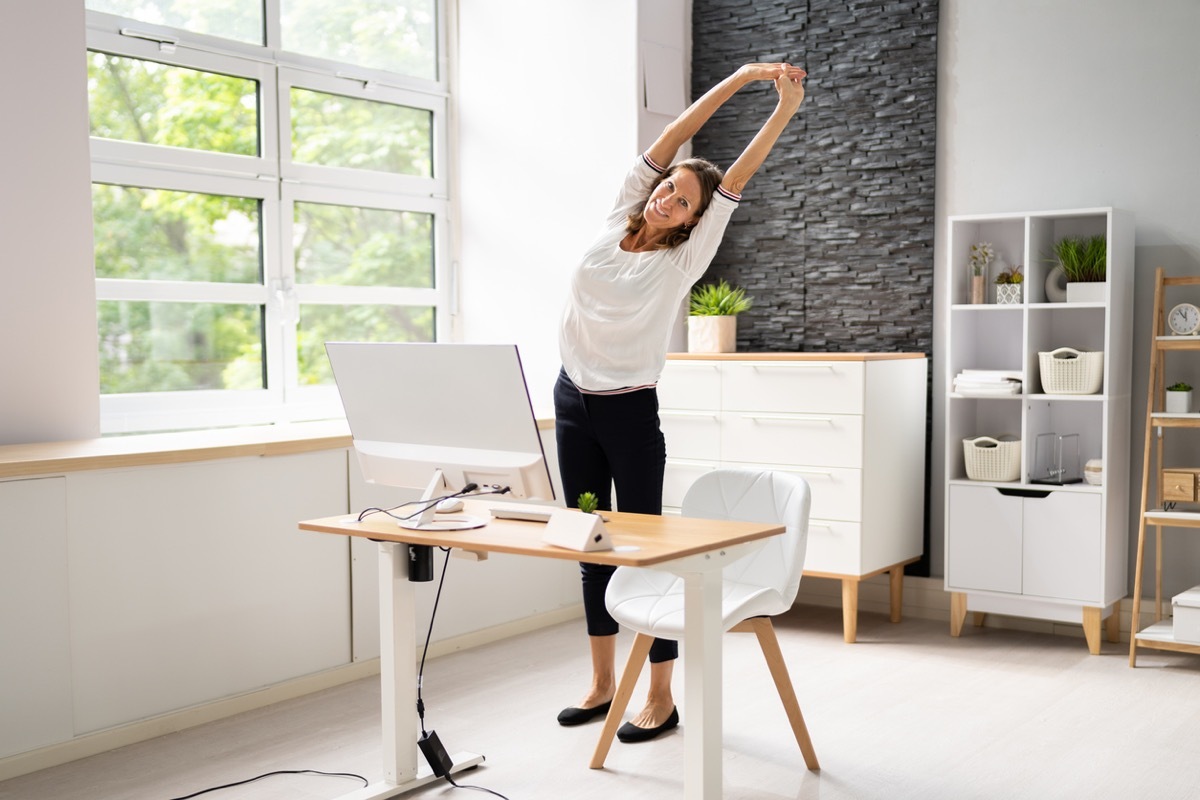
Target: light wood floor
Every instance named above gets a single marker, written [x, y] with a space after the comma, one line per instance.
[907, 712]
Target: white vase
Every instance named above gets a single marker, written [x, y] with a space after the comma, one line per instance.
[1179, 402]
[1091, 292]
[712, 334]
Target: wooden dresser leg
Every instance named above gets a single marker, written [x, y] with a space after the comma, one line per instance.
[1112, 625]
[850, 609]
[1091, 628]
[896, 584]
[958, 612]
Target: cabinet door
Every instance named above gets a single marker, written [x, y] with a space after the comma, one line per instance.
[1063, 540]
[983, 540]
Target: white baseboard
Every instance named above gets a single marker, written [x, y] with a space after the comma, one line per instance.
[927, 598]
[102, 741]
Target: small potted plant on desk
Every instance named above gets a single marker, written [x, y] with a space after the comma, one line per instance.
[712, 317]
[1179, 398]
[1008, 286]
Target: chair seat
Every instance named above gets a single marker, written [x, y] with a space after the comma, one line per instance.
[651, 602]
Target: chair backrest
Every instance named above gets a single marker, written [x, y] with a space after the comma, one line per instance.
[759, 496]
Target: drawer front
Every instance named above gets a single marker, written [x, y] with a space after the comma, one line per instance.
[691, 434]
[836, 491]
[1178, 486]
[819, 440]
[690, 385]
[833, 546]
[679, 477]
[809, 386]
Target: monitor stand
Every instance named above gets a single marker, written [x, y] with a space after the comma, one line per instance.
[430, 520]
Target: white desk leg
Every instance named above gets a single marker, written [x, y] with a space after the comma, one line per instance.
[702, 676]
[398, 683]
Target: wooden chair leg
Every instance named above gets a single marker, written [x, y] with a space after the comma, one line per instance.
[769, 643]
[633, 668]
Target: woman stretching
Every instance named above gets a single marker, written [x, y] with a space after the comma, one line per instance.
[625, 294]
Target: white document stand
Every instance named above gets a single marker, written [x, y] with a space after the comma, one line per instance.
[696, 550]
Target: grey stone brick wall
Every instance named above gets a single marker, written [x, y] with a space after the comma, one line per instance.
[834, 239]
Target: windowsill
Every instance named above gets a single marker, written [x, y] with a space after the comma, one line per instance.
[49, 458]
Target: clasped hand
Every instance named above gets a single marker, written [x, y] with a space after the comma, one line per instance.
[788, 80]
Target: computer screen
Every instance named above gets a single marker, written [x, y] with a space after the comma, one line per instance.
[438, 417]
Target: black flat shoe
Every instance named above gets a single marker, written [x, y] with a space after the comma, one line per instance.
[578, 716]
[632, 733]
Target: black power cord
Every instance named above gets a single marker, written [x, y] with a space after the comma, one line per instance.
[276, 772]
[439, 761]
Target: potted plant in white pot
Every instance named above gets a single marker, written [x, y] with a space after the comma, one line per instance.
[1179, 398]
[1085, 262]
[1008, 286]
[712, 317]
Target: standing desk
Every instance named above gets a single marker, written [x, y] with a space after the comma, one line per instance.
[695, 549]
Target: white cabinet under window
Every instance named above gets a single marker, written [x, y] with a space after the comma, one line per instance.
[851, 424]
[1046, 545]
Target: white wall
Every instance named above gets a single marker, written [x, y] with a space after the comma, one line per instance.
[550, 118]
[1047, 104]
[48, 356]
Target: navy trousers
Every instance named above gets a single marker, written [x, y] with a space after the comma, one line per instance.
[607, 440]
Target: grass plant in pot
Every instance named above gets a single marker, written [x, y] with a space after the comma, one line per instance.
[712, 317]
[1008, 286]
[1179, 398]
[1085, 262]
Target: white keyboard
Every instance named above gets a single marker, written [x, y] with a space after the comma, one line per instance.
[526, 514]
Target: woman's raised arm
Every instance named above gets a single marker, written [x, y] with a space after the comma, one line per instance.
[693, 118]
[791, 94]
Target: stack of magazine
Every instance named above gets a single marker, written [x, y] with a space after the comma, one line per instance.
[984, 382]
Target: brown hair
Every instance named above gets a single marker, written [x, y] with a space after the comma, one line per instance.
[710, 177]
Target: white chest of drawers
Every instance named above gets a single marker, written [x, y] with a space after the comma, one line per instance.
[852, 424]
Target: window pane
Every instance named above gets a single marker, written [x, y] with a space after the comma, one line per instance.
[394, 35]
[347, 246]
[336, 131]
[241, 20]
[155, 234]
[327, 323]
[144, 101]
[164, 347]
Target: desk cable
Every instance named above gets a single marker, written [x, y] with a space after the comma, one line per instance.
[431, 746]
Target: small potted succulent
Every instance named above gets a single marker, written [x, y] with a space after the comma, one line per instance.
[1179, 398]
[982, 254]
[712, 317]
[1008, 286]
[587, 503]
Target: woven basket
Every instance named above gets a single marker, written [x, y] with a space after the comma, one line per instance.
[1070, 371]
[990, 459]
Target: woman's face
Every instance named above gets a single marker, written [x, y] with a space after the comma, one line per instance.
[674, 201]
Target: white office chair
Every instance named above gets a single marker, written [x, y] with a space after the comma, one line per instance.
[755, 587]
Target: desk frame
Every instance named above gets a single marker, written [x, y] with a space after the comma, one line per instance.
[696, 550]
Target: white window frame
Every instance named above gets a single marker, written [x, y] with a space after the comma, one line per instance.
[278, 183]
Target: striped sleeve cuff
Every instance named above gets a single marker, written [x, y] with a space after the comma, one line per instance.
[652, 165]
[737, 198]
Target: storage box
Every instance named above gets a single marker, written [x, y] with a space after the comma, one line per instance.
[992, 459]
[1180, 484]
[1186, 608]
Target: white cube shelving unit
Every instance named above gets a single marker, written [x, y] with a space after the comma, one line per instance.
[1046, 551]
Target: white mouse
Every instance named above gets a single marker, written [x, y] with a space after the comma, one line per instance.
[450, 505]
